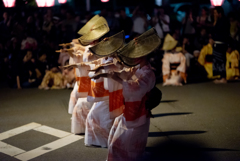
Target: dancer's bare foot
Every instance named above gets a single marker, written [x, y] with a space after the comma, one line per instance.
[220, 81]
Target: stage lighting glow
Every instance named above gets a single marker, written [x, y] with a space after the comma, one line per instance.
[127, 36]
[40, 3]
[62, 1]
[217, 2]
[104, 0]
[45, 3]
[49, 3]
[9, 3]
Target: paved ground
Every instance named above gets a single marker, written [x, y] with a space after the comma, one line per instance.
[193, 122]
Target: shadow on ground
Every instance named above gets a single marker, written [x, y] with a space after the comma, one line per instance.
[168, 101]
[172, 114]
[158, 134]
[181, 150]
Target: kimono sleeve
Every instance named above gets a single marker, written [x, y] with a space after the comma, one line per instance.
[140, 87]
[201, 58]
[166, 64]
[182, 66]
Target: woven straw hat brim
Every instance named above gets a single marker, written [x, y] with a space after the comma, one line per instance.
[169, 43]
[99, 29]
[127, 61]
[86, 28]
[109, 45]
[142, 45]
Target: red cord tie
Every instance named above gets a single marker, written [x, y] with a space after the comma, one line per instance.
[135, 40]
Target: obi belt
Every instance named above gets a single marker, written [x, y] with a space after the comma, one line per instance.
[173, 66]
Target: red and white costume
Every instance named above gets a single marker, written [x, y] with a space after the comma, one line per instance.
[128, 135]
[101, 116]
[173, 59]
[82, 106]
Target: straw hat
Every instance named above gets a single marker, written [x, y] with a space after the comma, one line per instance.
[139, 47]
[142, 45]
[86, 28]
[97, 30]
[169, 43]
[109, 45]
[178, 49]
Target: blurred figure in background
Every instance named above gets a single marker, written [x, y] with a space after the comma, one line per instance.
[53, 79]
[188, 25]
[220, 35]
[232, 64]
[139, 21]
[112, 23]
[5, 26]
[125, 22]
[174, 63]
[202, 20]
[47, 23]
[161, 22]
[28, 42]
[206, 59]
[26, 72]
[233, 25]
[187, 50]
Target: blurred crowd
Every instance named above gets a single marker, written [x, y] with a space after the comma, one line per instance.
[29, 39]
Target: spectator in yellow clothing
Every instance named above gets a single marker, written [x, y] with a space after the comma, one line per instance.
[232, 64]
[205, 59]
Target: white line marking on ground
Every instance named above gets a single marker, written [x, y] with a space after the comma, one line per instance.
[18, 130]
[9, 149]
[48, 147]
[52, 131]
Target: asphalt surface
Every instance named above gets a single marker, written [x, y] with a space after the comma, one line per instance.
[194, 122]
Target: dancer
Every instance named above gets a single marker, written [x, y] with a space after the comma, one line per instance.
[232, 64]
[128, 136]
[98, 29]
[108, 104]
[174, 63]
[206, 59]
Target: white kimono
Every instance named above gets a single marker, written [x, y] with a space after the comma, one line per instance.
[128, 136]
[100, 119]
[168, 59]
[82, 106]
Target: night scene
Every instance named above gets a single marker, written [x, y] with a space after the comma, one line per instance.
[119, 80]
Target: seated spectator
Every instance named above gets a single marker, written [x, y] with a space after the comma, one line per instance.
[174, 63]
[47, 23]
[53, 79]
[42, 65]
[28, 43]
[26, 73]
[205, 59]
[232, 64]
